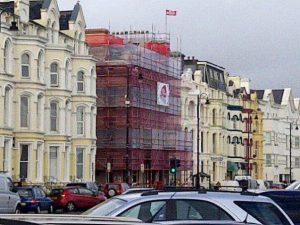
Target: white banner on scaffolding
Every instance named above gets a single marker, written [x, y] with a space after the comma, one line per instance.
[163, 92]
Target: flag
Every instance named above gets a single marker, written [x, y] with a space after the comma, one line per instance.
[171, 12]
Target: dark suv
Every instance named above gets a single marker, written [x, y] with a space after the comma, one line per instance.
[89, 185]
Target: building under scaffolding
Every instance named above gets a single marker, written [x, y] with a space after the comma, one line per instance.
[139, 109]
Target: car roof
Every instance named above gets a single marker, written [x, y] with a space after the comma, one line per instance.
[194, 194]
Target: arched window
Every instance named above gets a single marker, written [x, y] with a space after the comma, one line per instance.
[191, 109]
[67, 117]
[80, 120]
[80, 81]
[40, 66]
[40, 112]
[25, 64]
[235, 119]
[54, 75]
[53, 116]
[24, 111]
[7, 56]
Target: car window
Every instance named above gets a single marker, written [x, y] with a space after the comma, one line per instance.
[2, 184]
[289, 203]
[37, 192]
[105, 208]
[56, 191]
[199, 210]
[145, 211]
[42, 193]
[84, 191]
[265, 213]
[25, 193]
[74, 191]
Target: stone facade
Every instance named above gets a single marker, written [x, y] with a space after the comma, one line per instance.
[47, 95]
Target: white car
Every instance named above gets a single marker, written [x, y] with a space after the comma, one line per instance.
[162, 207]
[294, 186]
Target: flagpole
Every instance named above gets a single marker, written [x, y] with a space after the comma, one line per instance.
[166, 22]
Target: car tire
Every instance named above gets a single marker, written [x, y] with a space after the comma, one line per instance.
[51, 209]
[70, 207]
[111, 192]
[38, 210]
[18, 210]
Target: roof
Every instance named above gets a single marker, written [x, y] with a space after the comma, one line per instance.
[35, 10]
[259, 93]
[278, 94]
[8, 6]
[66, 16]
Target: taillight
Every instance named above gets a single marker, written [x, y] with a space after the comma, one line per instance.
[33, 201]
[62, 195]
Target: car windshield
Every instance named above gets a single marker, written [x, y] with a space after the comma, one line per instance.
[25, 193]
[265, 213]
[105, 208]
[56, 191]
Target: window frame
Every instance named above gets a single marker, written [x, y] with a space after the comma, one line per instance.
[54, 73]
[27, 112]
[25, 65]
[80, 82]
[80, 124]
[52, 129]
[81, 164]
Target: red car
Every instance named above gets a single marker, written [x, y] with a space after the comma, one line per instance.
[111, 190]
[72, 198]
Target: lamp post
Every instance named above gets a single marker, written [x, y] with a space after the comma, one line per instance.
[199, 94]
[291, 124]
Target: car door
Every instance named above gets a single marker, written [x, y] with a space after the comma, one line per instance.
[147, 211]
[88, 198]
[13, 197]
[4, 197]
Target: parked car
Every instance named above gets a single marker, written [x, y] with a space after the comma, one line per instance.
[294, 186]
[72, 198]
[89, 185]
[278, 186]
[34, 199]
[162, 207]
[10, 201]
[111, 190]
[288, 200]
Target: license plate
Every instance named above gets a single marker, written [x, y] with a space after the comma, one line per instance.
[23, 203]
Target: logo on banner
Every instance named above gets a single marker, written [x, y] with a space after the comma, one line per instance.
[163, 93]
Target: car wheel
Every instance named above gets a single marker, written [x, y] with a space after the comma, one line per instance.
[18, 210]
[70, 207]
[38, 210]
[51, 209]
[111, 192]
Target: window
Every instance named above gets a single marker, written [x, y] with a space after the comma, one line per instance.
[297, 162]
[24, 111]
[297, 142]
[7, 106]
[199, 210]
[7, 56]
[39, 110]
[67, 74]
[84, 191]
[268, 138]
[25, 65]
[24, 156]
[265, 213]
[234, 149]
[53, 162]
[5, 159]
[146, 211]
[268, 160]
[214, 120]
[54, 75]
[79, 163]
[80, 120]
[214, 142]
[191, 110]
[235, 119]
[53, 116]
[80, 81]
[39, 69]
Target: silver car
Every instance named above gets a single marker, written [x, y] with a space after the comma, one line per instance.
[9, 199]
[161, 207]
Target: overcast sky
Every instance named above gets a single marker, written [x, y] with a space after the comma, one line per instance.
[250, 38]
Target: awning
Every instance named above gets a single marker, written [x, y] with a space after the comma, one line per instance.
[231, 166]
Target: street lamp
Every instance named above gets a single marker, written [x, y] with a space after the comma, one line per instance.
[199, 95]
[291, 124]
